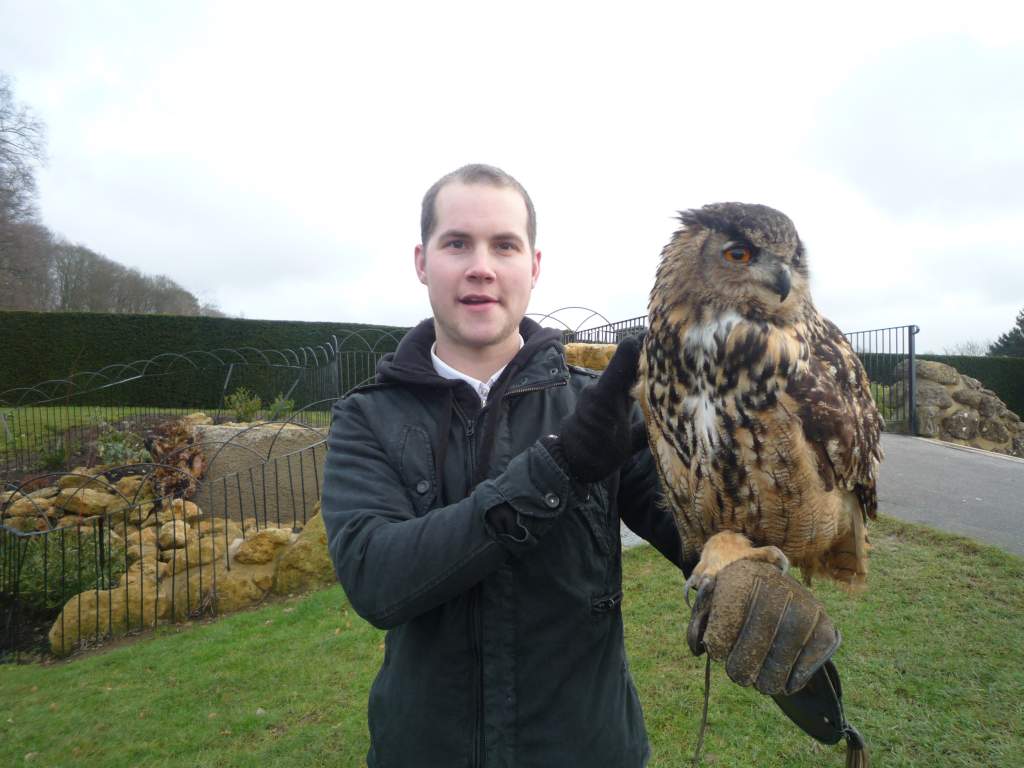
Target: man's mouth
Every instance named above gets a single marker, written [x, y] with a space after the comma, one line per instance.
[474, 298]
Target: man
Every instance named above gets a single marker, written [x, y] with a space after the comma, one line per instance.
[472, 498]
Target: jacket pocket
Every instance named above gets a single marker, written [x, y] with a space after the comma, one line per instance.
[594, 510]
[416, 466]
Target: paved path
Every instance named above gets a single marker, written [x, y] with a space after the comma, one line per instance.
[960, 490]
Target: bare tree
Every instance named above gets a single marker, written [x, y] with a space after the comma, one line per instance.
[38, 271]
[22, 148]
[968, 348]
[25, 261]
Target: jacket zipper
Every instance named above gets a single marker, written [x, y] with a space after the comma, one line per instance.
[476, 641]
[474, 597]
[537, 388]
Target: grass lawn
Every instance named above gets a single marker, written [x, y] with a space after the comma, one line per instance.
[930, 665]
[36, 428]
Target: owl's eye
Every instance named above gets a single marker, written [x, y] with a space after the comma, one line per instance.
[738, 253]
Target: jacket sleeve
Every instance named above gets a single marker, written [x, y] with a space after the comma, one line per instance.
[395, 565]
[643, 508]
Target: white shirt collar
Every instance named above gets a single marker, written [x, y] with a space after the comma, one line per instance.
[482, 388]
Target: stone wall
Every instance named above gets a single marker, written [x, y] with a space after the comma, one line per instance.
[958, 409]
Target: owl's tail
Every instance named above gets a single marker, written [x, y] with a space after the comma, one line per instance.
[847, 561]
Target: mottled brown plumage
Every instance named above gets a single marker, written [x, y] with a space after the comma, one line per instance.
[759, 413]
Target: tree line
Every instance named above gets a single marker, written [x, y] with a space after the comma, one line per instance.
[41, 270]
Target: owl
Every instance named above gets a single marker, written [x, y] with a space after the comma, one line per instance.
[759, 414]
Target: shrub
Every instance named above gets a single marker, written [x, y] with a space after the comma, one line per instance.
[116, 447]
[61, 563]
[883, 396]
[243, 404]
[280, 408]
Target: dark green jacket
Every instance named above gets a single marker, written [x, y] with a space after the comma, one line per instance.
[505, 644]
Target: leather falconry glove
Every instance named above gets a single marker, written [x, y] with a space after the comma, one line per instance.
[772, 633]
[599, 436]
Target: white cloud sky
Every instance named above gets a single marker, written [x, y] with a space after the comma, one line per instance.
[272, 158]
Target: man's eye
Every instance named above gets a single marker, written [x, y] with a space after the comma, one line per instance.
[455, 244]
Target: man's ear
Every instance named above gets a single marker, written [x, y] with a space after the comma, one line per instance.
[420, 254]
[536, 267]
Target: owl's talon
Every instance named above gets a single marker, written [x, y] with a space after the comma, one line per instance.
[695, 583]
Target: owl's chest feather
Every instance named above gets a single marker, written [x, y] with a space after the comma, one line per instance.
[721, 373]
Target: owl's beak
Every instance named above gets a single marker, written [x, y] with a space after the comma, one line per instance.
[782, 282]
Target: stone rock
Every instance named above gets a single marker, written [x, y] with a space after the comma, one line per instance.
[243, 586]
[968, 397]
[22, 524]
[971, 383]
[29, 506]
[196, 419]
[144, 537]
[930, 370]
[146, 569]
[306, 564]
[218, 526]
[962, 425]
[134, 487]
[927, 421]
[593, 356]
[990, 406]
[993, 430]
[262, 547]
[173, 535]
[192, 591]
[930, 393]
[125, 510]
[1018, 446]
[145, 552]
[178, 509]
[84, 501]
[84, 477]
[106, 612]
[197, 552]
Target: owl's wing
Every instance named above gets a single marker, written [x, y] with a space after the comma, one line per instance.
[832, 396]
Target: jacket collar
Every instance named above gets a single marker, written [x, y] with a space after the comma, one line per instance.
[411, 363]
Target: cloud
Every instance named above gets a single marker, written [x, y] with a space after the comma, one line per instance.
[930, 127]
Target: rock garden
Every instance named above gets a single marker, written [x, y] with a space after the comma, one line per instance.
[120, 548]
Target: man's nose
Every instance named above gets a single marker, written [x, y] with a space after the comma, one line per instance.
[481, 266]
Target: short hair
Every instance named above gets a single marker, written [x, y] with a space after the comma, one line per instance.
[474, 173]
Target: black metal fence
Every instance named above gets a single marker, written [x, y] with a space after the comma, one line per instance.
[888, 355]
[56, 423]
[68, 582]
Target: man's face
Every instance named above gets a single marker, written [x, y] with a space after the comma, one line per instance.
[478, 267]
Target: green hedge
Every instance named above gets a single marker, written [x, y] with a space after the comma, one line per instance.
[1003, 375]
[37, 346]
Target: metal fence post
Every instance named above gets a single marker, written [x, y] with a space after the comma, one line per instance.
[337, 367]
[912, 378]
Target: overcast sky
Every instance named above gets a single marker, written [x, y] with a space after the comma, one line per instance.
[271, 157]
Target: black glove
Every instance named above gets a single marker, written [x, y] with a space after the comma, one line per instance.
[599, 436]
